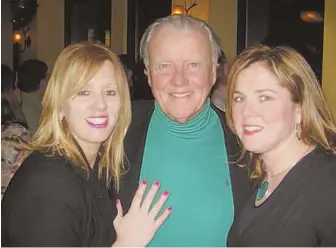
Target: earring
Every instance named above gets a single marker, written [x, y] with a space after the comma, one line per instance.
[298, 129]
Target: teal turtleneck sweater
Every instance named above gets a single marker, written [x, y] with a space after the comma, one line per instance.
[190, 161]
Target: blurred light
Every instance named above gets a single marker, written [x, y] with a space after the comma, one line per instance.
[177, 10]
[17, 37]
[311, 16]
[107, 38]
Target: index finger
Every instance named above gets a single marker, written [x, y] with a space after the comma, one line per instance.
[137, 199]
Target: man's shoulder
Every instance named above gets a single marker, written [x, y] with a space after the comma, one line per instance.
[222, 117]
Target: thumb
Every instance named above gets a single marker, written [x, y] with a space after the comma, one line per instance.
[119, 211]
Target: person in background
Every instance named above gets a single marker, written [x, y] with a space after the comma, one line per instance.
[32, 82]
[219, 90]
[13, 126]
[278, 111]
[181, 139]
[60, 195]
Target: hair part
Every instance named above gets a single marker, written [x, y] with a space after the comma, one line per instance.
[182, 23]
[296, 75]
[74, 67]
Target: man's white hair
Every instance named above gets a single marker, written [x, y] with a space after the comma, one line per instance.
[180, 22]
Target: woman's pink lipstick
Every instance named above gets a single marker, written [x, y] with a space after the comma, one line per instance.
[97, 121]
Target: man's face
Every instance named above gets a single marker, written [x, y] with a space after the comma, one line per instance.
[180, 71]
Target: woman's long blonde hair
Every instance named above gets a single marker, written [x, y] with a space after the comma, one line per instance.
[294, 74]
[74, 67]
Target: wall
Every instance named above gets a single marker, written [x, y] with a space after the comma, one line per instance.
[7, 37]
[47, 31]
[329, 55]
[50, 30]
[222, 17]
[201, 11]
[119, 26]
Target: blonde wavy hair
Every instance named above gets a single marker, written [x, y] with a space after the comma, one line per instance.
[74, 67]
[294, 74]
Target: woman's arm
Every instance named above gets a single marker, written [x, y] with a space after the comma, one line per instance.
[38, 208]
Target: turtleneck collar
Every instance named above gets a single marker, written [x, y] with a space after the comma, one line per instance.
[190, 129]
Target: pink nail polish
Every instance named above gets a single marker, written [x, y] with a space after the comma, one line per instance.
[169, 209]
[156, 183]
[144, 182]
[165, 193]
[117, 201]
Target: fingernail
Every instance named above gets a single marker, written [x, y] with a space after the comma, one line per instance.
[169, 209]
[156, 183]
[117, 201]
[144, 182]
[165, 193]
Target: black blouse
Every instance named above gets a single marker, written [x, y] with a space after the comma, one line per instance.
[300, 212]
[50, 202]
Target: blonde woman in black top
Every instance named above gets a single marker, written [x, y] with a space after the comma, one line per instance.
[278, 111]
[60, 195]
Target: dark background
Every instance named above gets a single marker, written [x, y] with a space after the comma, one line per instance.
[278, 22]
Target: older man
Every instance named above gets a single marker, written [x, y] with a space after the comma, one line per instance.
[181, 140]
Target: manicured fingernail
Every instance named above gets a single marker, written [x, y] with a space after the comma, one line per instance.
[144, 182]
[169, 209]
[117, 201]
[156, 183]
[165, 193]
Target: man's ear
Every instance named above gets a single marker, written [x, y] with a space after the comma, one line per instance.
[214, 75]
[149, 79]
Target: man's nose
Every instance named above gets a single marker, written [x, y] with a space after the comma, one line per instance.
[179, 77]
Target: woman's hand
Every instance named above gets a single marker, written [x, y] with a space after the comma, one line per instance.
[138, 226]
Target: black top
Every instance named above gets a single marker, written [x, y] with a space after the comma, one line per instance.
[50, 202]
[134, 148]
[300, 212]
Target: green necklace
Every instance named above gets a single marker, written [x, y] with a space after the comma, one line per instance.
[262, 190]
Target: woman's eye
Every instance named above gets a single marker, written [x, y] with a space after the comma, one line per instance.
[110, 92]
[237, 99]
[83, 93]
[264, 98]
